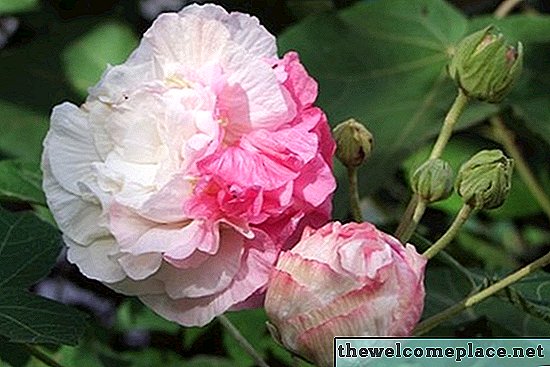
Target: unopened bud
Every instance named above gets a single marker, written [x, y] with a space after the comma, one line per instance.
[353, 142]
[484, 181]
[485, 66]
[433, 180]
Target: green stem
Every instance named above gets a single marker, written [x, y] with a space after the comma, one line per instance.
[448, 124]
[451, 233]
[445, 133]
[407, 216]
[470, 301]
[507, 138]
[41, 356]
[248, 348]
[354, 195]
[419, 210]
[506, 7]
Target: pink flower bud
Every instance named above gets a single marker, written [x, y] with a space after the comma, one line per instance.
[344, 280]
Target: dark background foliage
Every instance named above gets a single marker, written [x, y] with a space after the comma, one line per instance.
[381, 61]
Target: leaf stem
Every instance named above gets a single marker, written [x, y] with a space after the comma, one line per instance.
[470, 301]
[245, 344]
[505, 7]
[451, 233]
[41, 356]
[448, 124]
[407, 224]
[507, 138]
[354, 195]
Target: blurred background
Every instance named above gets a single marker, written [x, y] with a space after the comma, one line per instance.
[53, 50]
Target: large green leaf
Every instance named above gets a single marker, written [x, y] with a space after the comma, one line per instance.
[21, 181]
[16, 6]
[87, 58]
[384, 63]
[28, 318]
[28, 250]
[251, 324]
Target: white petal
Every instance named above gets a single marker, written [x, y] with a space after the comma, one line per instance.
[245, 29]
[141, 266]
[80, 220]
[71, 147]
[190, 41]
[214, 275]
[96, 261]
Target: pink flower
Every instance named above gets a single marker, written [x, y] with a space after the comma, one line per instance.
[344, 280]
[191, 165]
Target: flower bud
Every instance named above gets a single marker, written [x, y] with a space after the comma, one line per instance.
[351, 280]
[353, 142]
[484, 181]
[485, 67]
[433, 180]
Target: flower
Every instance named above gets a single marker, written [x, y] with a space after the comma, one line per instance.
[354, 142]
[191, 165]
[349, 279]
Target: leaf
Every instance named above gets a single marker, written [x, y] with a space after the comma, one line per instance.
[21, 181]
[26, 318]
[392, 78]
[22, 130]
[14, 355]
[132, 315]
[17, 6]
[87, 58]
[28, 250]
[209, 361]
[251, 324]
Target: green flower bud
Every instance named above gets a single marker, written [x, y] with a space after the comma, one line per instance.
[353, 142]
[433, 180]
[485, 67]
[484, 181]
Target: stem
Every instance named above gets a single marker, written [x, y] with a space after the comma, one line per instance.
[41, 356]
[470, 301]
[444, 135]
[448, 124]
[407, 216]
[441, 243]
[419, 210]
[507, 138]
[235, 333]
[354, 195]
[506, 7]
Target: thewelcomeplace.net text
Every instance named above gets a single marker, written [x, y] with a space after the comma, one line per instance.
[458, 354]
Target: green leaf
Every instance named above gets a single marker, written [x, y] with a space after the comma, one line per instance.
[87, 58]
[251, 324]
[26, 318]
[390, 77]
[132, 315]
[17, 6]
[21, 181]
[209, 361]
[22, 131]
[28, 250]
